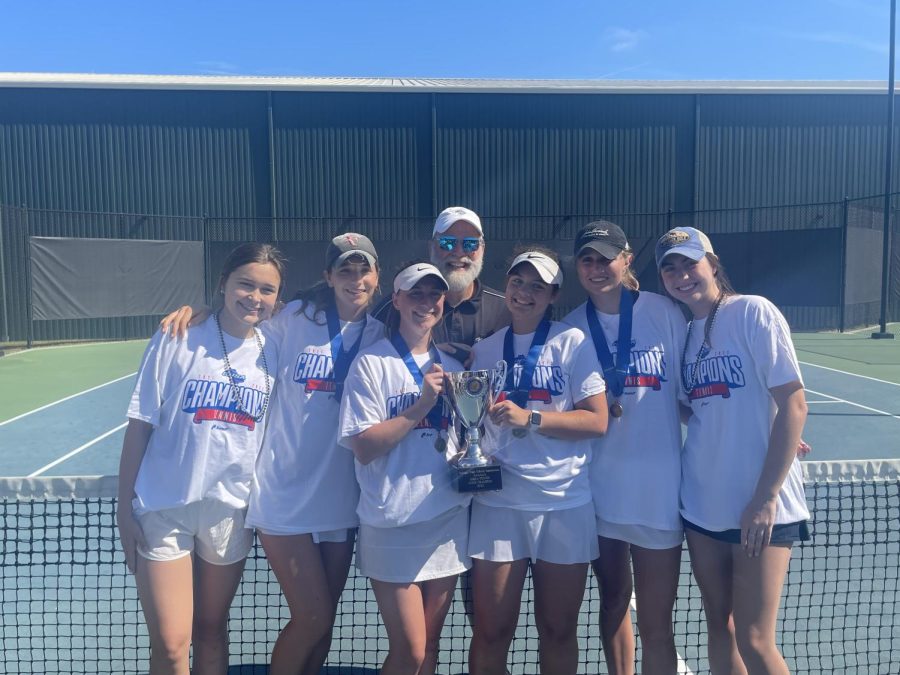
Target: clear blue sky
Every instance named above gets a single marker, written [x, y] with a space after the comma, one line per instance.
[604, 39]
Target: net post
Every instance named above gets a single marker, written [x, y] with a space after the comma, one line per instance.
[845, 226]
[4, 304]
[882, 333]
[29, 301]
[205, 226]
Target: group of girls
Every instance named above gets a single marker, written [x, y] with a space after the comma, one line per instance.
[587, 431]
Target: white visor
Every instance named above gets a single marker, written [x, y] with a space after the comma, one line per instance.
[410, 276]
[546, 267]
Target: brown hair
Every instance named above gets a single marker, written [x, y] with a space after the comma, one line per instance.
[722, 281]
[253, 252]
[320, 296]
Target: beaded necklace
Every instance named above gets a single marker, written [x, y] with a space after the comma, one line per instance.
[692, 373]
[229, 371]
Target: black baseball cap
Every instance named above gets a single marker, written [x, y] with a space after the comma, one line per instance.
[605, 237]
[345, 245]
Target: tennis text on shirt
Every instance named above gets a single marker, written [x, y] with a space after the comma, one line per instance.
[646, 368]
[316, 371]
[212, 400]
[438, 418]
[546, 382]
[716, 376]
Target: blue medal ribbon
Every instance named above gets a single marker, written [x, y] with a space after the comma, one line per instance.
[340, 359]
[437, 412]
[613, 373]
[519, 395]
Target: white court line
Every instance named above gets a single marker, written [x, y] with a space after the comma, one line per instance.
[67, 398]
[77, 450]
[858, 405]
[844, 372]
[683, 668]
[811, 402]
[865, 329]
[71, 345]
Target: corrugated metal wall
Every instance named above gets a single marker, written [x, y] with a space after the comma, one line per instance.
[527, 158]
[354, 157]
[535, 166]
[775, 150]
[127, 151]
[374, 155]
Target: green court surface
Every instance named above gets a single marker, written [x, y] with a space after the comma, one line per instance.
[35, 377]
[854, 352]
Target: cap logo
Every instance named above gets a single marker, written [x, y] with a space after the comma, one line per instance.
[674, 238]
[421, 268]
[350, 239]
[595, 232]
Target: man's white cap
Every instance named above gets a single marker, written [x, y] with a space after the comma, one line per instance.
[546, 267]
[410, 276]
[454, 214]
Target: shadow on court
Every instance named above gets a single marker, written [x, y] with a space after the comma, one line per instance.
[256, 669]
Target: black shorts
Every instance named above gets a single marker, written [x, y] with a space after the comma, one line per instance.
[788, 533]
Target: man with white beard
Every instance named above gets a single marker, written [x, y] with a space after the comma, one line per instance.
[472, 311]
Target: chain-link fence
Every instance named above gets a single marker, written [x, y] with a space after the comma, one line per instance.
[820, 263]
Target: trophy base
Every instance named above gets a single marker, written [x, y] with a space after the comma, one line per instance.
[479, 478]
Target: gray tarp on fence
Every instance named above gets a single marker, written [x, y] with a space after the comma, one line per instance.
[90, 278]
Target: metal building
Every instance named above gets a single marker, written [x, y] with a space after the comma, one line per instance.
[297, 159]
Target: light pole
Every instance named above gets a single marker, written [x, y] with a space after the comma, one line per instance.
[882, 333]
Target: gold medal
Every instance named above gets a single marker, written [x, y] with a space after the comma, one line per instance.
[440, 444]
[615, 409]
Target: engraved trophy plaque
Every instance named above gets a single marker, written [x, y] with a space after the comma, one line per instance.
[470, 393]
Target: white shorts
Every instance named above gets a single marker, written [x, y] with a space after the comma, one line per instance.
[214, 529]
[640, 535]
[327, 536]
[563, 537]
[418, 552]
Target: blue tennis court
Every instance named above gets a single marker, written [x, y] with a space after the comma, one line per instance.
[68, 604]
[851, 416]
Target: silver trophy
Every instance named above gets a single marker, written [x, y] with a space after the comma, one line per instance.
[470, 393]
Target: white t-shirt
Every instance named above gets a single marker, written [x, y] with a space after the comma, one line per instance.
[728, 433]
[303, 481]
[539, 472]
[202, 446]
[412, 483]
[636, 469]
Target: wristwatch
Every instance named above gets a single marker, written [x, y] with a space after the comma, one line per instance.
[535, 419]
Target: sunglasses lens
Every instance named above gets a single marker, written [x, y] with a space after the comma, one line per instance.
[469, 244]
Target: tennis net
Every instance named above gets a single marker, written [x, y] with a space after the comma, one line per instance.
[69, 605]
